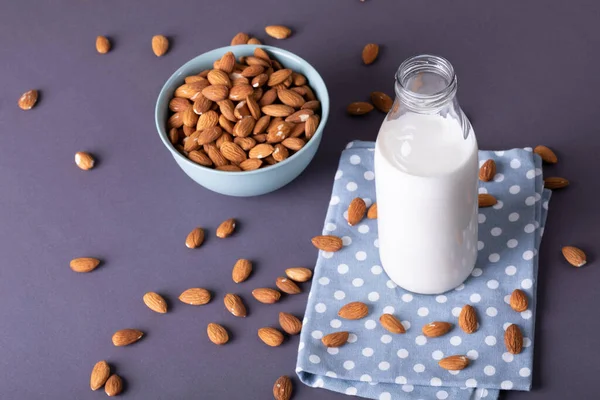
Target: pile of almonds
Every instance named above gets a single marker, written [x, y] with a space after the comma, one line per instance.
[243, 114]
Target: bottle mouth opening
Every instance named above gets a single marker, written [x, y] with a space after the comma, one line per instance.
[426, 82]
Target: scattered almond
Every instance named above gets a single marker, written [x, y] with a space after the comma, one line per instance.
[102, 44]
[518, 300]
[454, 363]
[356, 211]
[372, 213]
[282, 389]
[155, 302]
[289, 323]
[553, 183]
[336, 339]
[241, 270]
[391, 324]
[487, 170]
[28, 99]
[370, 53]
[270, 336]
[299, 274]
[84, 264]
[436, 329]
[327, 243]
[467, 319]
[126, 337]
[513, 339]
[235, 305]
[287, 286]
[266, 295]
[240, 38]
[575, 256]
[359, 108]
[195, 238]
[114, 385]
[546, 154]
[278, 31]
[217, 334]
[226, 228]
[160, 45]
[354, 310]
[100, 374]
[195, 296]
[382, 101]
[486, 200]
[254, 40]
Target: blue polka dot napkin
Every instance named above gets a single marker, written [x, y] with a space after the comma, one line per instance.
[380, 365]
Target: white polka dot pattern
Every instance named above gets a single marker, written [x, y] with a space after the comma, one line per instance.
[509, 235]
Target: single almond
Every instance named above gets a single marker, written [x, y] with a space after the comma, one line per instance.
[261, 138]
[270, 336]
[208, 119]
[392, 324]
[513, 339]
[190, 143]
[259, 52]
[100, 374]
[277, 110]
[487, 170]
[233, 152]
[155, 302]
[240, 92]
[261, 125]
[175, 120]
[287, 286]
[126, 337]
[254, 40]
[28, 99]
[278, 31]
[84, 264]
[178, 104]
[436, 328]
[327, 243]
[216, 93]
[290, 323]
[467, 319]
[250, 164]
[354, 310]
[370, 53]
[209, 135]
[246, 143]
[84, 160]
[575, 256]
[298, 130]
[190, 118]
[279, 77]
[235, 305]
[201, 105]
[336, 339]
[240, 38]
[191, 90]
[254, 108]
[359, 108]
[518, 300]
[280, 153]
[311, 126]
[261, 151]
[298, 79]
[300, 116]
[195, 238]
[195, 296]
[215, 155]
[194, 78]
[217, 334]
[266, 295]
[227, 62]
[454, 363]
[228, 110]
[188, 130]
[160, 45]
[219, 77]
[554, 182]
[356, 211]
[486, 200]
[102, 44]
[114, 385]
[252, 70]
[253, 60]
[225, 124]
[244, 127]
[290, 98]
[372, 213]
[382, 101]
[282, 389]
[299, 274]
[200, 157]
[227, 227]
[547, 155]
[241, 270]
[268, 98]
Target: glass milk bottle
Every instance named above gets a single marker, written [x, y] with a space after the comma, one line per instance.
[426, 172]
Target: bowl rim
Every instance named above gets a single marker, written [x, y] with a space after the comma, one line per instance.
[160, 125]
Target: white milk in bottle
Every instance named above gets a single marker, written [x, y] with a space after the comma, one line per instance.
[426, 172]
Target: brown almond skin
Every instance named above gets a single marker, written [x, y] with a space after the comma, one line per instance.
[241, 270]
[359, 108]
[467, 319]
[114, 385]
[282, 389]
[354, 310]
[575, 256]
[555, 182]
[299, 274]
[126, 337]
[287, 286]
[336, 339]
[486, 200]
[356, 211]
[84, 264]
[513, 339]
[327, 243]
[266, 295]
[155, 302]
[195, 238]
[217, 334]
[487, 171]
[28, 100]
[160, 45]
[235, 305]
[436, 329]
[518, 300]
[370, 53]
[195, 296]
[270, 336]
[100, 374]
[290, 323]
[240, 38]
[392, 324]
[547, 155]
[226, 228]
[102, 44]
[372, 213]
[382, 101]
[278, 31]
[454, 363]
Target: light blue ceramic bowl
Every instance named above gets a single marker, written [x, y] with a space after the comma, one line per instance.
[247, 183]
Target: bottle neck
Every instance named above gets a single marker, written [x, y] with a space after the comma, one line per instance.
[426, 84]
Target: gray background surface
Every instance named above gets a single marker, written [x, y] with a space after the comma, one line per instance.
[528, 75]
